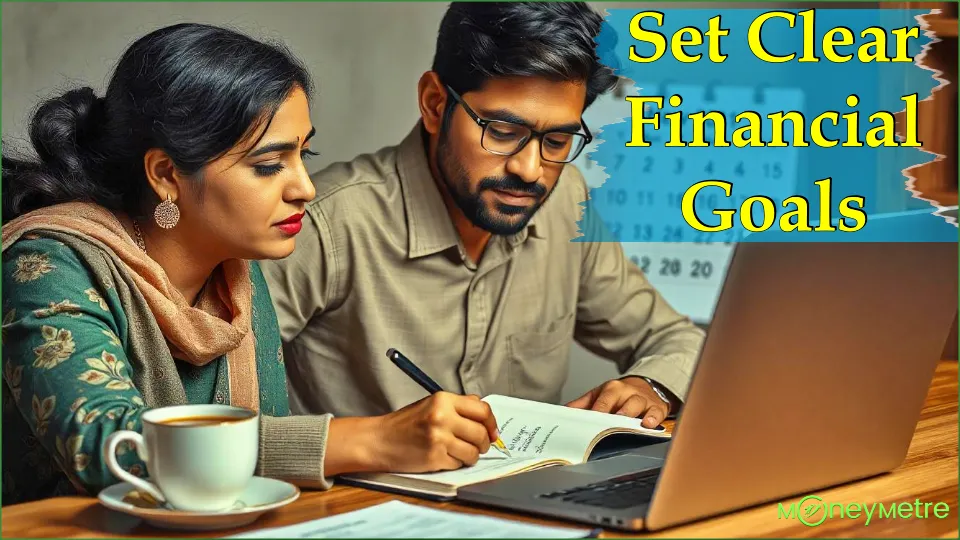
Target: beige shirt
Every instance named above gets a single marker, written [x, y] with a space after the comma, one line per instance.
[379, 264]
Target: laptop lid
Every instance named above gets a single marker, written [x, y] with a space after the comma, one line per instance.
[814, 372]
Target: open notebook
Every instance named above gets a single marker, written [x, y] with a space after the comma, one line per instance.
[538, 435]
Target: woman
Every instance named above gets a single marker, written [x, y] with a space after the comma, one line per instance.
[126, 278]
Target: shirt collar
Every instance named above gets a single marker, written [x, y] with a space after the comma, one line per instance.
[429, 227]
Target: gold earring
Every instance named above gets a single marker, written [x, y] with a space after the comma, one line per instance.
[167, 215]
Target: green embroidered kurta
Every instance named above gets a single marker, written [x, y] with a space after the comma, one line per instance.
[69, 383]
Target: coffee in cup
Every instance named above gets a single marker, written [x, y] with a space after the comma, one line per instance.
[200, 458]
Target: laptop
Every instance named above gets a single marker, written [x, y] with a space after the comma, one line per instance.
[814, 372]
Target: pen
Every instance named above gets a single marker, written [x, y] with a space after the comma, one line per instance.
[427, 383]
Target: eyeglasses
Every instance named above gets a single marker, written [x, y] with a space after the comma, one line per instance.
[507, 138]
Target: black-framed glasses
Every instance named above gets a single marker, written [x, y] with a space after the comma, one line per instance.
[507, 138]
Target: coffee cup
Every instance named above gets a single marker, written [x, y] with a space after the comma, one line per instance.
[200, 458]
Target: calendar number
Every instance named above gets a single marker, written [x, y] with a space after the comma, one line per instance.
[642, 262]
[617, 197]
[645, 198]
[672, 234]
[669, 267]
[647, 164]
[615, 230]
[643, 233]
[772, 171]
[701, 269]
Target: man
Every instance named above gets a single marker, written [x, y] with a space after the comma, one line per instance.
[455, 248]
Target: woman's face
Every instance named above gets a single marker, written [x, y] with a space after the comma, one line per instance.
[250, 202]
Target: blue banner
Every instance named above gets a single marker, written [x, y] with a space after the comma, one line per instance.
[745, 124]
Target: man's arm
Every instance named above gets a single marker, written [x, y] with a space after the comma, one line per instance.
[304, 283]
[622, 317]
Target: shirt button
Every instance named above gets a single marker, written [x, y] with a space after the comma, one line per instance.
[159, 373]
[219, 397]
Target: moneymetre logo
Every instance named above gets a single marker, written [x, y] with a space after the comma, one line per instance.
[813, 511]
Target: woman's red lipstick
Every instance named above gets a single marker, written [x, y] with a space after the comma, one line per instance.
[292, 224]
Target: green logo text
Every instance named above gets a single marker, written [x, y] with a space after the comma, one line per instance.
[812, 511]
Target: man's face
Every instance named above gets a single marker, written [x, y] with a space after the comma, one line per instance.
[501, 193]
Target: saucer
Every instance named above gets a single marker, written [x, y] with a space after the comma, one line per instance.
[260, 496]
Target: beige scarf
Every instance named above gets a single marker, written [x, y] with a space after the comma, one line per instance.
[219, 324]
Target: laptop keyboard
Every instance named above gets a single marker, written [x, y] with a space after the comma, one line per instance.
[621, 492]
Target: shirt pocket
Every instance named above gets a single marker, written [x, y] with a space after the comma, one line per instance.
[539, 362]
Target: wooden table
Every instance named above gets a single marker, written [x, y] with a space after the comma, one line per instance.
[929, 473]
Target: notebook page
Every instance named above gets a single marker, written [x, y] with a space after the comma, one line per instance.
[577, 426]
[529, 428]
[531, 435]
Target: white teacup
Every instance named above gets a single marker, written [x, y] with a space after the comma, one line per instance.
[199, 457]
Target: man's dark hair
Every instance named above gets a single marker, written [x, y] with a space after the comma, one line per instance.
[553, 40]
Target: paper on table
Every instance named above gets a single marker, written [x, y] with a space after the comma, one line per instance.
[397, 519]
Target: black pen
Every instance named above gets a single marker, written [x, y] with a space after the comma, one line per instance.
[427, 383]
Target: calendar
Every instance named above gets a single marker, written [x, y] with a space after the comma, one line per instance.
[686, 266]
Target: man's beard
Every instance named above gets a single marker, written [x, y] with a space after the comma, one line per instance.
[457, 183]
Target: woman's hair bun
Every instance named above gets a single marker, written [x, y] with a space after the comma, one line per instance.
[62, 131]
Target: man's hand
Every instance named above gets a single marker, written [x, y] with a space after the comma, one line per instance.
[630, 396]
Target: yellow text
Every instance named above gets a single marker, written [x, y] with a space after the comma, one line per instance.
[688, 36]
[836, 42]
[797, 218]
[804, 133]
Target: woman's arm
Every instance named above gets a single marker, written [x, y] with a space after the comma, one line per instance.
[64, 361]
